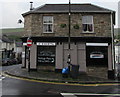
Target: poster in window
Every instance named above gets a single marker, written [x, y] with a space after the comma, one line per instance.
[96, 55]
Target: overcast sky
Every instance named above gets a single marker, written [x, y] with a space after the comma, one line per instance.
[11, 10]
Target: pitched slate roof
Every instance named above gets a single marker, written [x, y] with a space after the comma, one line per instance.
[75, 8]
[4, 38]
[64, 8]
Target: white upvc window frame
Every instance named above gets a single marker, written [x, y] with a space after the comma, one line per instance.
[87, 21]
[47, 24]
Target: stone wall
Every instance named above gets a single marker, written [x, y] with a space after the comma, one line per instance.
[27, 25]
[33, 24]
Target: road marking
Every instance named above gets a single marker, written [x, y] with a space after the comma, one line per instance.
[85, 94]
[68, 95]
[1, 77]
[60, 83]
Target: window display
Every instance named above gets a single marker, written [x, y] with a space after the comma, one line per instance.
[46, 55]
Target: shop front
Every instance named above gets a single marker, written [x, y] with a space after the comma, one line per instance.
[84, 51]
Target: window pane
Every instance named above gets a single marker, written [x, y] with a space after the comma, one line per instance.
[87, 19]
[47, 19]
[47, 28]
[90, 28]
[84, 27]
[87, 22]
[87, 27]
[48, 24]
[84, 19]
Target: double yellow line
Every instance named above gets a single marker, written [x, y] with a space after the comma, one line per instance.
[61, 83]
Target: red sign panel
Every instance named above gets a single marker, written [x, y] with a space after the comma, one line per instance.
[29, 42]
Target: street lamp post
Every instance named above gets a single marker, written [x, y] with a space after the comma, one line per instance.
[69, 25]
[69, 40]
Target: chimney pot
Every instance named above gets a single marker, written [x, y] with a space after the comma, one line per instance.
[31, 5]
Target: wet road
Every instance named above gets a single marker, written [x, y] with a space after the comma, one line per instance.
[13, 86]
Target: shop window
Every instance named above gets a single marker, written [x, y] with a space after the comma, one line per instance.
[87, 24]
[47, 24]
[46, 55]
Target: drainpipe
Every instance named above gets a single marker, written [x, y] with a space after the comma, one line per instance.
[113, 49]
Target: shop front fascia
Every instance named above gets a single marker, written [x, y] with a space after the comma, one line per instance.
[77, 51]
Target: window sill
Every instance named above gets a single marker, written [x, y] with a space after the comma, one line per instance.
[48, 32]
[88, 33]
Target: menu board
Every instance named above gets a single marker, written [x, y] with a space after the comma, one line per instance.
[46, 57]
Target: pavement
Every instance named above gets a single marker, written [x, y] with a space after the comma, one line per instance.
[45, 75]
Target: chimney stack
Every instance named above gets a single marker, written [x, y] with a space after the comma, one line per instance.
[31, 5]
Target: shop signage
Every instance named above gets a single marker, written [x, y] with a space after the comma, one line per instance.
[96, 44]
[46, 43]
[24, 44]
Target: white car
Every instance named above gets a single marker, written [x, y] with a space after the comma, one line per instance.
[96, 55]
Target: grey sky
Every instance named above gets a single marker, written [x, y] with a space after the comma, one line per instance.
[119, 14]
[11, 10]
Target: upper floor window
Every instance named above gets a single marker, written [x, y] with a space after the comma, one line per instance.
[48, 24]
[87, 23]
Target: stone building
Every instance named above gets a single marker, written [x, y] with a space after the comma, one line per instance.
[117, 53]
[91, 29]
[6, 46]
